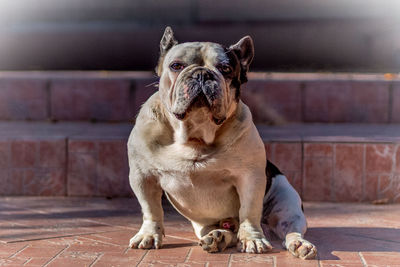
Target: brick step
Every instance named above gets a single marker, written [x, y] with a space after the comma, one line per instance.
[279, 97]
[324, 162]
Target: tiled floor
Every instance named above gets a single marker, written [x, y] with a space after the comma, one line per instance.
[95, 232]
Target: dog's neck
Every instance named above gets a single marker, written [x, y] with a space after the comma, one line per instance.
[196, 129]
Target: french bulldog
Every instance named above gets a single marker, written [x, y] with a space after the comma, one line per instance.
[195, 140]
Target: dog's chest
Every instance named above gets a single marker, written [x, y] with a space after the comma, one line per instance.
[203, 194]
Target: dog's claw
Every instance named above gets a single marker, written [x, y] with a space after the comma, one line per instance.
[301, 248]
[216, 241]
[146, 241]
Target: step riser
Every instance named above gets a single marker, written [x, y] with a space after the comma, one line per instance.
[99, 167]
[293, 98]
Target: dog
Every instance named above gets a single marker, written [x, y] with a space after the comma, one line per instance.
[195, 140]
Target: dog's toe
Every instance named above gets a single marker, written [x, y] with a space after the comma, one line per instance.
[146, 241]
[214, 241]
[302, 249]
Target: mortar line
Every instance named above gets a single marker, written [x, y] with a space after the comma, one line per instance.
[364, 262]
[141, 259]
[188, 255]
[18, 251]
[97, 259]
[230, 260]
[55, 256]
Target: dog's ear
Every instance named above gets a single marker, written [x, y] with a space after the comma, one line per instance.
[167, 42]
[244, 50]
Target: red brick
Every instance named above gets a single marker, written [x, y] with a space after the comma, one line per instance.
[389, 187]
[44, 182]
[318, 150]
[370, 102]
[76, 146]
[268, 150]
[287, 156]
[165, 255]
[295, 179]
[371, 187]
[8, 186]
[397, 159]
[199, 255]
[101, 99]
[379, 158]
[52, 153]
[348, 172]
[395, 112]
[4, 154]
[82, 174]
[23, 99]
[23, 154]
[284, 97]
[246, 259]
[15, 182]
[317, 179]
[382, 258]
[327, 101]
[343, 101]
[112, 169]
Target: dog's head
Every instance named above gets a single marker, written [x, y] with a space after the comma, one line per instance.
[202, 75]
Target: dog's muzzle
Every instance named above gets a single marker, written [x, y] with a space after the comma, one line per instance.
[198, 88]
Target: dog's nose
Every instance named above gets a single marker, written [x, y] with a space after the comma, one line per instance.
[201, 75]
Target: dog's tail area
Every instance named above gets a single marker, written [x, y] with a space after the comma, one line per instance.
[271, 171]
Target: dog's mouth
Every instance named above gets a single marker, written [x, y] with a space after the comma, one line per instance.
[197, 89]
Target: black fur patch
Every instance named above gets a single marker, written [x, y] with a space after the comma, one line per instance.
[271, 171]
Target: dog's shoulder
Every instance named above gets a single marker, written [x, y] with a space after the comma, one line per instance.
[152, 127]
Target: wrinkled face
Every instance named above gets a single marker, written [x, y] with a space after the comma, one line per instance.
[200, 75]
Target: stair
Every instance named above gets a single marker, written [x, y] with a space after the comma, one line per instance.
[65, 133]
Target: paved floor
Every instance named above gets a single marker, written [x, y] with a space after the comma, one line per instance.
[95, 232]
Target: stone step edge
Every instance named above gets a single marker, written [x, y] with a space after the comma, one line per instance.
[274, 76]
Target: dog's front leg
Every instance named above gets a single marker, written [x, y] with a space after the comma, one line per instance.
[251, 188]
[148, 192]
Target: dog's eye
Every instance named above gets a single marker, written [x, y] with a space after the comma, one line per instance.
[225, 69]
[176, 66]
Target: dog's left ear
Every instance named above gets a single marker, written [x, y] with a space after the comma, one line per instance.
[244, 50]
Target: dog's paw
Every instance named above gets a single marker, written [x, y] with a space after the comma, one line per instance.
[252, 241]
[146, 241]
[216, 240]
[149, 236]
[300, 247]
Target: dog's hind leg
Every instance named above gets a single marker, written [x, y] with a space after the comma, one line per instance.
[282, 211]
[215, 238]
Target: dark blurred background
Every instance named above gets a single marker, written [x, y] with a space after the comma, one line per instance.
[290, 35]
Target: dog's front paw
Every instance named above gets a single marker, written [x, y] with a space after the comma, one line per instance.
[148, 237]
[252, 241]
[216, 240]
[300, 247]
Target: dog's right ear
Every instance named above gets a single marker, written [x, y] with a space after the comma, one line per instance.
[167, 42]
